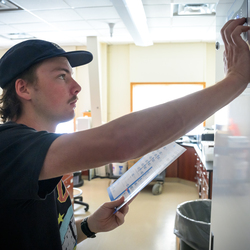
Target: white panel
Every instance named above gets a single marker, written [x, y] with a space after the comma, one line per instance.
[58, 15]
[196, 1]
[192, 21]
[72, 25]
[103, 23]
[159, 22]
[88, 3]
[5, 29]
[156, 1]
[157, 10]
[98, 13]
[41, 4]
[33, 27]
[18, 16]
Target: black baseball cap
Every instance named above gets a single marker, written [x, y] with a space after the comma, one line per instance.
[25, 54]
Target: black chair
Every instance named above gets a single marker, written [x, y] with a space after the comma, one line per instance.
[78, 182]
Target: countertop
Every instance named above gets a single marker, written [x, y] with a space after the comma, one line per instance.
[207, 164]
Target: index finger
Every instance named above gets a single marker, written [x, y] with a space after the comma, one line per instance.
[229, 27]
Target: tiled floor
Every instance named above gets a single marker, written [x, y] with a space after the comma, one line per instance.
[150, 222]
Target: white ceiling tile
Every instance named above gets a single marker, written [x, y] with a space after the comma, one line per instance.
[57, 37]
[160, 33]
[226, 1]
[116, 33]
[72, 25]
[159, 22]
[190, 34]
[156, 1]
[18, 16]
[88, 3]
[41, 4]
[65, 34]
[30, 27]
[194, 1]
[157, 10]
[5, 29]
[97, 13]
[103, 23]
[70, 21]
[57, 15]
[6, 43]
[193, 21]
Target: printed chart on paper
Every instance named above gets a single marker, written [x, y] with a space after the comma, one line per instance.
[143, 172]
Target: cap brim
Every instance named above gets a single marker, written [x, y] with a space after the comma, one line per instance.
[77, 58]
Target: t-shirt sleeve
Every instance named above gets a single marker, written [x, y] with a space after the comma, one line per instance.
[21, 161]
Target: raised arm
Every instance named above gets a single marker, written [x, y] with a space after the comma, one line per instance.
[140, 132]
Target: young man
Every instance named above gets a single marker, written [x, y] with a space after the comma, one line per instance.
[38, 93]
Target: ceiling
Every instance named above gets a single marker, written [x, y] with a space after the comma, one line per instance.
[69, 22]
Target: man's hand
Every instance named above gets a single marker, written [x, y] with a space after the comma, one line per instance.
[236, 54]
[104, 219]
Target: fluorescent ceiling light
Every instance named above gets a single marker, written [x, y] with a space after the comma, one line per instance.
[7, 5]
[133, 16]
[194, 9]
[17, 36]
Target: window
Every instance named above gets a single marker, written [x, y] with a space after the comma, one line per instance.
[145, 95]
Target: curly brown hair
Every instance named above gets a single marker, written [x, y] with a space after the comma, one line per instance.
[10, 104]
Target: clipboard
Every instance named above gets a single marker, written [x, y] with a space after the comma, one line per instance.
[143, 172]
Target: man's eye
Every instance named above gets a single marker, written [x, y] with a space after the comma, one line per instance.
[62, 77]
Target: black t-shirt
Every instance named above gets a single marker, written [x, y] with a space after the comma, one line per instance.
[33, 214]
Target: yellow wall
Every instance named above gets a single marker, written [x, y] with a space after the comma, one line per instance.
[180, 62]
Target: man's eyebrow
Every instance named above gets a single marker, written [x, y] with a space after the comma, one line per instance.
[63, 69]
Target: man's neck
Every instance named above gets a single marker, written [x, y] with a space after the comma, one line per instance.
[37, 125]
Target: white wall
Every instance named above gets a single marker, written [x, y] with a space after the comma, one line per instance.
[182, 62]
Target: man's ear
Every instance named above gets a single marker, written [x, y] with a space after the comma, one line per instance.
[22, 89]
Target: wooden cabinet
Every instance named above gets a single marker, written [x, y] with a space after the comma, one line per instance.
[189, 166]
[172, 169]
[186, 163]
[183, 167]
[203, 179]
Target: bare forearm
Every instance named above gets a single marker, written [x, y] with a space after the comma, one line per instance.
[165, 123]
[138, 133]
